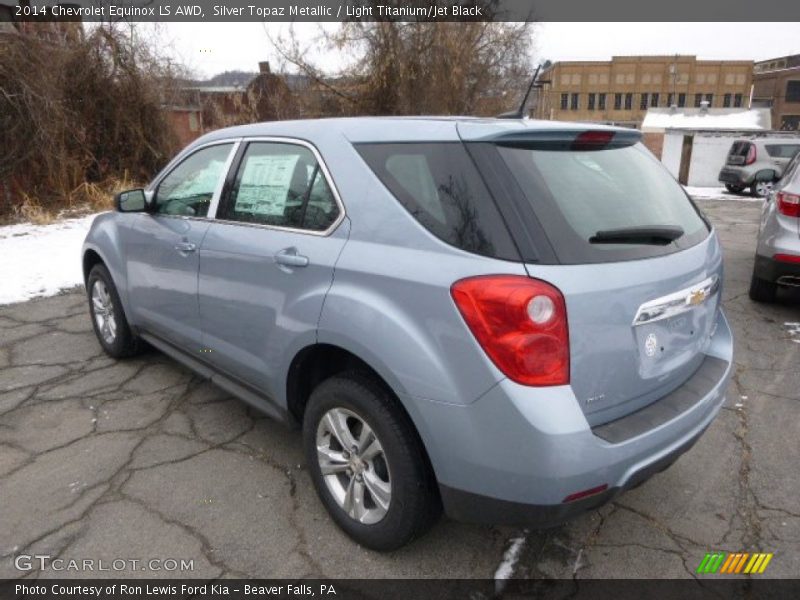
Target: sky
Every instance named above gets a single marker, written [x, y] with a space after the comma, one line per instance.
[210, 48]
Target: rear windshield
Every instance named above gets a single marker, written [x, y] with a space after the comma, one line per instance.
[738, 153]
[578, 194]
[782, 150]
[439, 185]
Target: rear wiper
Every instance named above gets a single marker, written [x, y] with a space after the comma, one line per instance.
[659, 235]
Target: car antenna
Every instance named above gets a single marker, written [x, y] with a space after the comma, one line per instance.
[520, 112]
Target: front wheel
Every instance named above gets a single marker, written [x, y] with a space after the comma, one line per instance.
[367, 463]
[108, 318]
[761, 189]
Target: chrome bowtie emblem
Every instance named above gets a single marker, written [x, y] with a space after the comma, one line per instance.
[650, 344]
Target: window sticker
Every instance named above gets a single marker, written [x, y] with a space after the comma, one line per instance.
[265, 183]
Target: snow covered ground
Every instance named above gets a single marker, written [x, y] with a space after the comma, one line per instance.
[718, 193]
[40, 260]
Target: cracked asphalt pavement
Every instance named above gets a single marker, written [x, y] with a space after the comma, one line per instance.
[140, 459]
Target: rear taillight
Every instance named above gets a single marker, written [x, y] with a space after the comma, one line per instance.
[788, 204]
[520, 323]
[751, 155]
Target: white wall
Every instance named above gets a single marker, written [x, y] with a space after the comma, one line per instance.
[708, 157]
[671, 152]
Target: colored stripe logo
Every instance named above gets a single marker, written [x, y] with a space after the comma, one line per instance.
[734, 563]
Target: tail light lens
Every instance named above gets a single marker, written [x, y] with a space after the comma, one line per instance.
[751, 155]
[520, 323]
[788, 204]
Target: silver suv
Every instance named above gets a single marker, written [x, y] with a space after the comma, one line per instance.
[777, 259]
[511, 320]
[757, 164]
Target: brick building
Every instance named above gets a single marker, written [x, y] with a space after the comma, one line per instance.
[776, 85]
[621, 90]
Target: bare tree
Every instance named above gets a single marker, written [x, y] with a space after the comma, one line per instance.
[403, 68]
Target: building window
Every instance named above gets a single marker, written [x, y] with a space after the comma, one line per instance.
[590, 105]
[698, 98]
[670, 99]
[643, 102]
[710, 99]
[194, 123]
[564, 101]
[654, 100]
[574, 102]
[793, 91]
[726, 101]
[617, 101]
[737, 100]
[681, 100]
[601, 101]
[628, 101]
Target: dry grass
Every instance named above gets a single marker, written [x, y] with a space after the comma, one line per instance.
[85, 199]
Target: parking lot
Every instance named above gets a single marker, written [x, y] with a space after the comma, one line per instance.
[142, 460]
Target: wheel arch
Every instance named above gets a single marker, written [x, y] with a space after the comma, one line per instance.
[317, 362]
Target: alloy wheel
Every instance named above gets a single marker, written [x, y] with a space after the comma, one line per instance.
[353, 465]
[103, 309]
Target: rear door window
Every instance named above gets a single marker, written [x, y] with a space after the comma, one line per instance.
[438, 184]
[280, 185]
[782, 150]
[578, 194]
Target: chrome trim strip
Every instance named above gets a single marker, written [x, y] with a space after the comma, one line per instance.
[677, 302]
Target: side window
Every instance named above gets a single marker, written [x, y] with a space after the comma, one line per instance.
[438, 184]
[281, 185]
[189, 187]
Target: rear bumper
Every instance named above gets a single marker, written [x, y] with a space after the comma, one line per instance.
[769, 269]
[515, 455]
[734, 177]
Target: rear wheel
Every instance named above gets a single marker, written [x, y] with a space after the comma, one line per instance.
[734, 189]
[762, 290]
[108, 318]
[367, 463]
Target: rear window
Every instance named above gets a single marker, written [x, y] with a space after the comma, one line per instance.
[738, 153]
[438, 184]
[782, 150]
[577, 194]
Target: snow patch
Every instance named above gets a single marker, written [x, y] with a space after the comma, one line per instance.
[41, 260]
[506, 567]
[793, 329]
[717, 193]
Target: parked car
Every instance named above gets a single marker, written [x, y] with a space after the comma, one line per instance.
[757, 164]
[777, 261]
[512, 320]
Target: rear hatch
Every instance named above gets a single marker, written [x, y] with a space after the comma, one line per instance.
[633, 257]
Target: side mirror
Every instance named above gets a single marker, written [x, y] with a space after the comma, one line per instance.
[132, 201]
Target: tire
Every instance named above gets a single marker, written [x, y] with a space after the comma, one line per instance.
[379, 521]
[111, 327]
[760, 189]
[734, 189]
[762, 290]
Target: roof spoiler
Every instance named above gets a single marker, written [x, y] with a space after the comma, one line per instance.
[567, 139]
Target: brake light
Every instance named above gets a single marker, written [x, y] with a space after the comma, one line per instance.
[592, 140]
[521, 324]
[787, 258]
[788, 204]
[751, 155]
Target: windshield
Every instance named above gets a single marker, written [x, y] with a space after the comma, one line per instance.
[606, 204]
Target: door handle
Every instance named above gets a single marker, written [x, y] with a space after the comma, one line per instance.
[290, 258]
[185, 247]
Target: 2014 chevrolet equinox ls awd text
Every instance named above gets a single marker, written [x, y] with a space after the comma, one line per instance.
[513, 320]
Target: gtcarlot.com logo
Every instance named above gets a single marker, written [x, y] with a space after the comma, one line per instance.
[734, 563]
